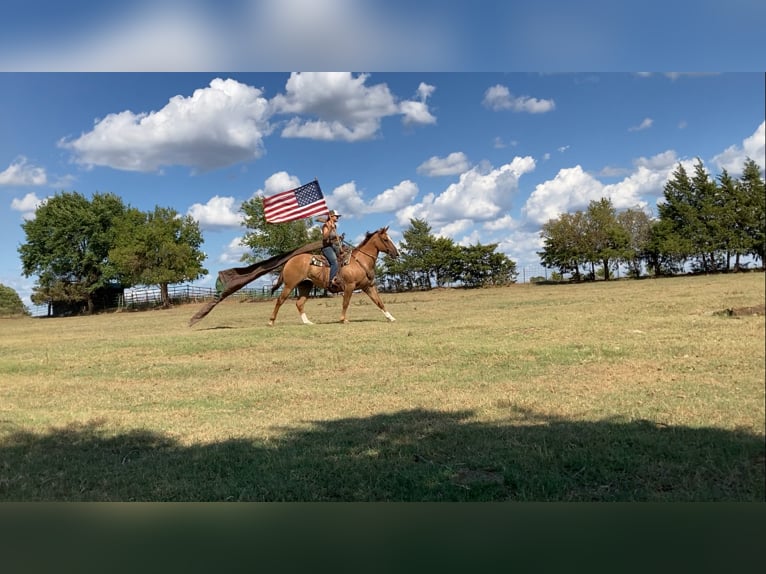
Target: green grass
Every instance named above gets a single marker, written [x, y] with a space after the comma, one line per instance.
[628, 390]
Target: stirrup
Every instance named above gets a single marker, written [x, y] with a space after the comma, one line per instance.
[335, 286]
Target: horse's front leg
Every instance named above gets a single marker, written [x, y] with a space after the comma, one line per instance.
[372, 293]
[347, 292]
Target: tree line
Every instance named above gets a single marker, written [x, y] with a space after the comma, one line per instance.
[83, 249]
[708, 223]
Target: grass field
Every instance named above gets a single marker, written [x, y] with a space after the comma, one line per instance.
[626, 390]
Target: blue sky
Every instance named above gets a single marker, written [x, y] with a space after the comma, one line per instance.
[481, 156]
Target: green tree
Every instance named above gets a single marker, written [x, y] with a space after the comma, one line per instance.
[663, 254]
[751, 194]
[157, 248]
[481, 265]
[637, 226]
[10, 302]
[269, 239]
[677, 216]
[564, 244]
[67, 247]
[606, 239]
[706, 229]
[416, 253]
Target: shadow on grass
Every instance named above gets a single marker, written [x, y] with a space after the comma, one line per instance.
[414, 455]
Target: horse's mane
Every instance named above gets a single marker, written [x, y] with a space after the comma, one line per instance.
[369, 235]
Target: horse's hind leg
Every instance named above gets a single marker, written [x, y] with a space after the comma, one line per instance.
[304, 289]
[281, 299]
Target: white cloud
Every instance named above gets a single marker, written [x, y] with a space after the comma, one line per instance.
[217, 213]
[217, 126]
[573, 189]
[499, 98]
[345, 107]
[664, 162]
[478, 195]
[394, 197]
[417, 112]
[349, 201]
[733, 157]
[503, 223]
[454, 163]
[20, 172]
[279, 182]
[27, 205]
[645, 124]
[233, 252]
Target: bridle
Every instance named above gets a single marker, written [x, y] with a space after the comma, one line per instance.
[373, 257]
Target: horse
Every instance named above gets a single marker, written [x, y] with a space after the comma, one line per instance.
[358, 273]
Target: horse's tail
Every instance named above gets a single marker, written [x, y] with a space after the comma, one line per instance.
[279, 282]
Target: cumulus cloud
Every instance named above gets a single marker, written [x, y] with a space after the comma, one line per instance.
[217, 213]
[478, 195]
[349, 201]
[343, 106]
[733, 157]
[279, 182]
[454, 163]
[417, 112]
[573, 189]
[499, 98]
[219, 125]
[27, 205]
[20, 172]
[233, 252]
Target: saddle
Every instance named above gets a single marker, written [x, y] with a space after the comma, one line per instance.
[319, 260]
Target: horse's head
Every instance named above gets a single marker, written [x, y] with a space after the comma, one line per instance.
[386, 245]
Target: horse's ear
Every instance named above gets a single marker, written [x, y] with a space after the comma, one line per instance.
[385, 229]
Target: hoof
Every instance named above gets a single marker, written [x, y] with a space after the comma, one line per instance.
[270, 323]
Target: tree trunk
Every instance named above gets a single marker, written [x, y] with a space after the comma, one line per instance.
[606, 269]
[164, 295]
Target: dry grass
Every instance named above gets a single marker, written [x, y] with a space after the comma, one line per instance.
[628, 390]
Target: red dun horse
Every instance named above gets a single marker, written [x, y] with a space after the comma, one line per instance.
[358, 274]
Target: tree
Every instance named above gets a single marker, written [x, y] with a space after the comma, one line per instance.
[606, 239]
[416, 252]
[708, 235]
[157, 248]
[751, 193]
[564, 243]
[637, 226]
[10, 302]
[269, 239]
[67, 247]
[481, 265]
[677, 216]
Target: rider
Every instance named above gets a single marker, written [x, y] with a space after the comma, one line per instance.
[331, 249]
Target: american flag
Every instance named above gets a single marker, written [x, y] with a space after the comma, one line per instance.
[299, 203]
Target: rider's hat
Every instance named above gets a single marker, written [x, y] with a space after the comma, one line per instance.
[335, 213]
